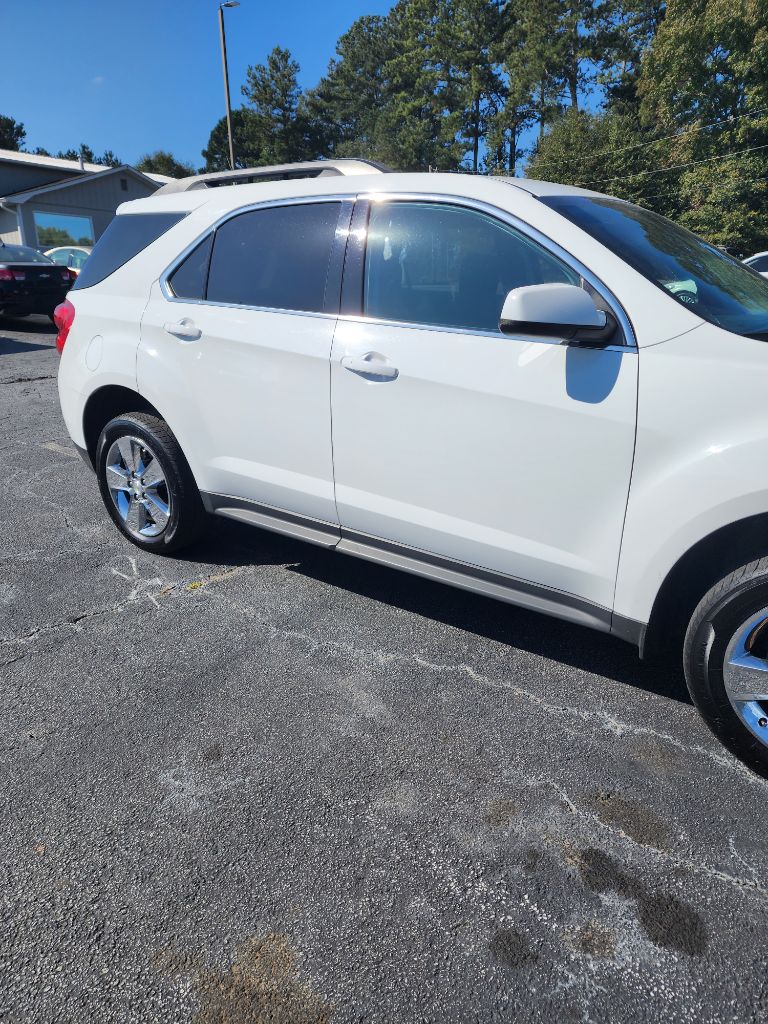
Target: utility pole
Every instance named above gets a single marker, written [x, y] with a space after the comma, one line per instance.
[229, 3]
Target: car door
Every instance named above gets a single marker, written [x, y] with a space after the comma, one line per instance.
[235, 348]
[507, 454]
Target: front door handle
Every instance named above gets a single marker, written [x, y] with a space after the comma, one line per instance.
[184, 330]
[372, 365]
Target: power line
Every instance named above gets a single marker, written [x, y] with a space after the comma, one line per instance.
[738, 153]
[667, 192]
[666, 138]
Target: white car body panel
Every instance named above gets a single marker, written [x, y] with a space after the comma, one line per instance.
[248, 401]
[700, 460]
[509, 454]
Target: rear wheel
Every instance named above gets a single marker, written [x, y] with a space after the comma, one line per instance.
[146, 484]
[726, 662]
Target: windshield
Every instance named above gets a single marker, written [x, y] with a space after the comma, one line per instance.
[714, 285]
[21, 254]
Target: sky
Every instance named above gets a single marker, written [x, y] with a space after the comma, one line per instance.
[134, 76]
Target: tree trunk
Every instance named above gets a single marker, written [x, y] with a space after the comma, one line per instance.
[512, 162]
[476, 139]
[573, 89]
[542, 106]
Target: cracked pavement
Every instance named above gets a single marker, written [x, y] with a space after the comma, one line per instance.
[263, 782]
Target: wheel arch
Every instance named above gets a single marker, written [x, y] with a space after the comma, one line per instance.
[708, 560]
[103, 405]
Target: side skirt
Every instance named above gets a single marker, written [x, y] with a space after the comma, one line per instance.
[313, 530]
[421, 563]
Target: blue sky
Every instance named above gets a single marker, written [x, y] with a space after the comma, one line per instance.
[134, 76]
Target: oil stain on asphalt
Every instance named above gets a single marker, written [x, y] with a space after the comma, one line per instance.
[262, 984]
[631, 817]
[667, 921]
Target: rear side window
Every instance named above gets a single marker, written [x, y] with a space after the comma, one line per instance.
[276, 258]
[760, 264]
[126, 236]
[189, 279]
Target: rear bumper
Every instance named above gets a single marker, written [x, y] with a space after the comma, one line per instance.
[45, 303]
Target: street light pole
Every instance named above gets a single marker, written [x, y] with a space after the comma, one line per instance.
[230, 3]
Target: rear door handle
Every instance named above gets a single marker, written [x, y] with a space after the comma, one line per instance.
[371, 365]
[184, 330]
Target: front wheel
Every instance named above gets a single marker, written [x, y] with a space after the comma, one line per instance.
[146, 484]
[726, 662]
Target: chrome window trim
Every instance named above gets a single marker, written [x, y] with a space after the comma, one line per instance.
[449, 199]
[513, 221]
[266, 204]
[492, 335]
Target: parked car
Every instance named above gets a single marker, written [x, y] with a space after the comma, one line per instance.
[539, 393]
[72, 256]
[30, 282]
[758, 262]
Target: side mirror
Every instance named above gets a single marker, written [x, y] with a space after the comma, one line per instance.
[556, 311]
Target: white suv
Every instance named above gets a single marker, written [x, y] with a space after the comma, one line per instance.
[523, 389]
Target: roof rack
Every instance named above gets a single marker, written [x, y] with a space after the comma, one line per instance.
[279, 172]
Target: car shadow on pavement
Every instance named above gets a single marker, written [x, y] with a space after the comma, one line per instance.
[12, 346]
[582, 648]
[12, 333]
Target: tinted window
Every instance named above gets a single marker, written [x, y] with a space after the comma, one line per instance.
[189, 279]
[126, 236]
[444, 265]
[715, 286]
[277, 257]
[760, 264]
[21, 254]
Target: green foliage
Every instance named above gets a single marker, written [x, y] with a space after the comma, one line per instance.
[604, 152]
[12, 133]
[53, 237]
[278, 128]
[247, 153]
[706, 79]
[163, 162]
[108, 158]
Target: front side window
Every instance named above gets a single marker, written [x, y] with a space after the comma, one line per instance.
[446, 266]
[717, 287]
[275, 258]
[760, 264]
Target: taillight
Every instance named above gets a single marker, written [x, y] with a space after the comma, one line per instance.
[67, 275]
[5, 274]
[63, 317]
[72, 275]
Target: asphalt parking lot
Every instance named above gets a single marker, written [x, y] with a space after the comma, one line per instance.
[262, 782]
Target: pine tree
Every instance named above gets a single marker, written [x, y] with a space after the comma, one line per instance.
[12, 133]
[272, 91]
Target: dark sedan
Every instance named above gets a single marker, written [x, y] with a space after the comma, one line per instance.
[30, 282]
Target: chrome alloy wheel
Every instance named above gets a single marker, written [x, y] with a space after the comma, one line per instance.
[138, 487]
[745, 673]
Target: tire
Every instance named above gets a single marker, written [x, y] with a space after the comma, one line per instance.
[725, 657]
[155, 516]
